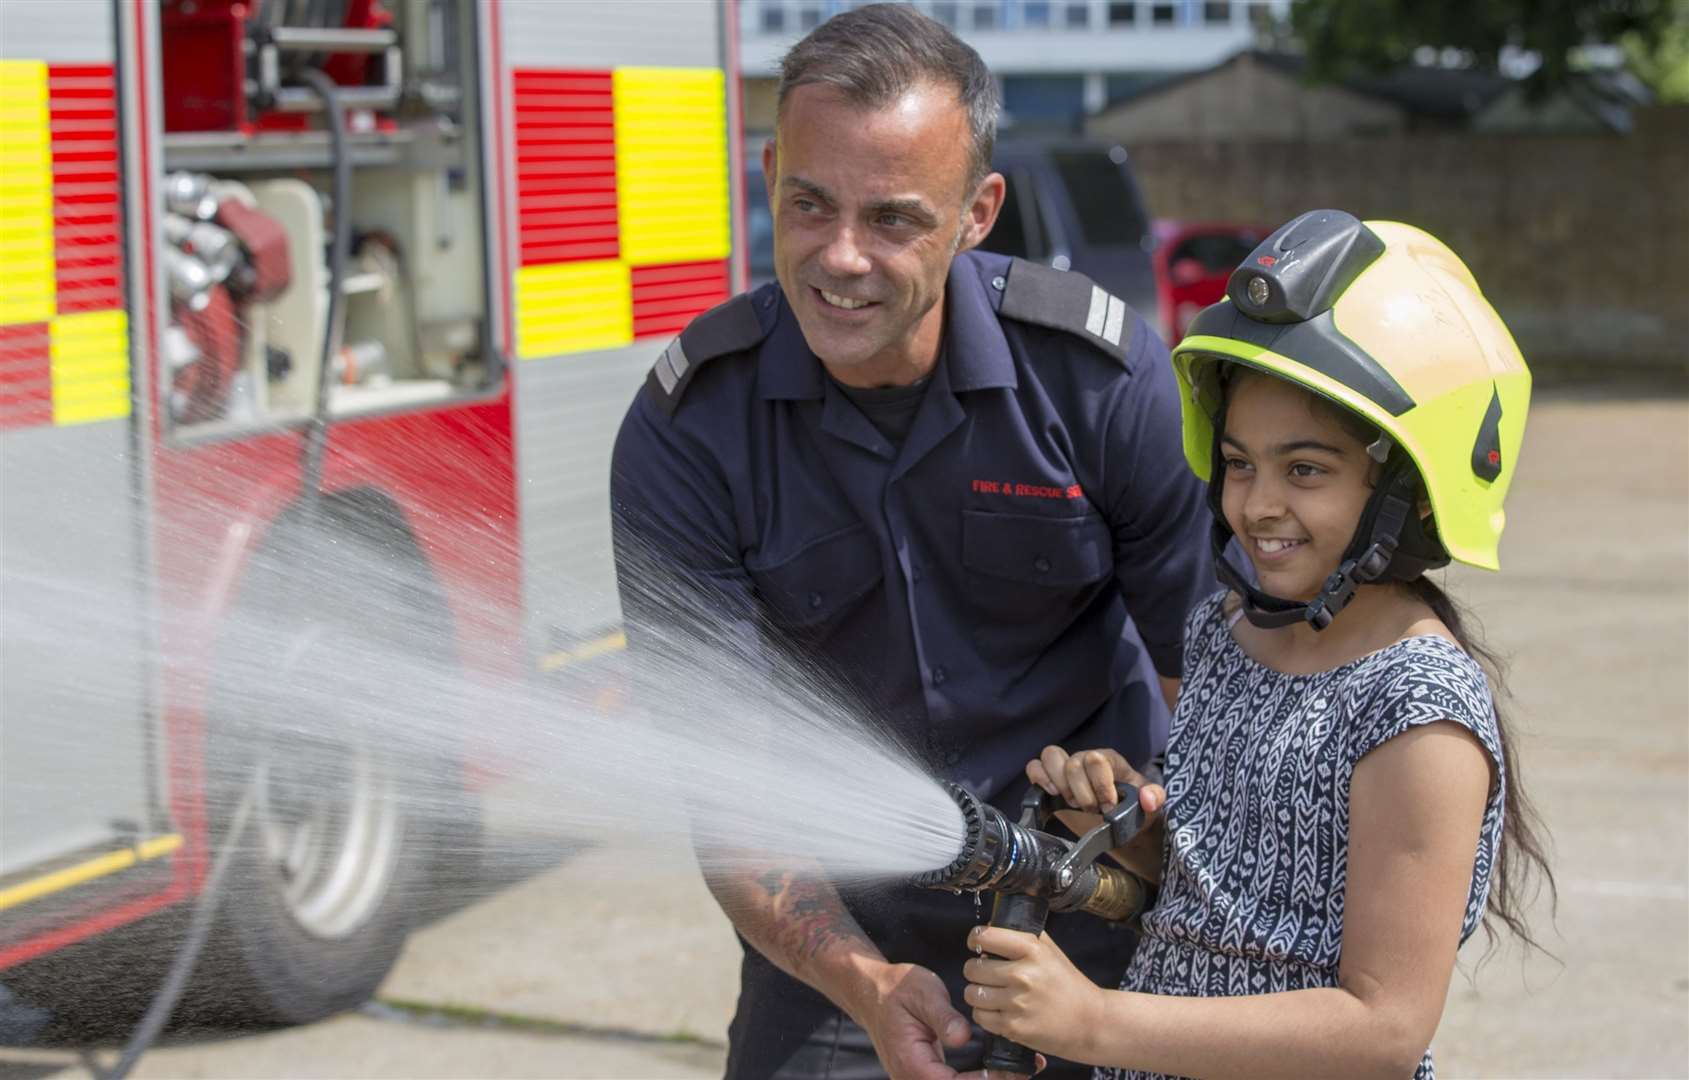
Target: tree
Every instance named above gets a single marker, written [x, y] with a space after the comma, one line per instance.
[1663, 62]
[1346, 38]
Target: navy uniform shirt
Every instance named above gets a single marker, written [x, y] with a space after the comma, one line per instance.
[976, 585]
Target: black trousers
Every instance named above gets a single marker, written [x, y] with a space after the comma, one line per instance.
[840, 1050]
[785, 1030]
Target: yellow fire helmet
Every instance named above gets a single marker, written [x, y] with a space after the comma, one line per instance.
[1383, 319]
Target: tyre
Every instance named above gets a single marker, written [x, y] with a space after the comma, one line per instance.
[338, 631]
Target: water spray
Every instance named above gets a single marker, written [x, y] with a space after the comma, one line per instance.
[1032, 872]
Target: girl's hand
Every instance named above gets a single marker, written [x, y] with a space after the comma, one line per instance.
[1086, 780]
[1033, 994]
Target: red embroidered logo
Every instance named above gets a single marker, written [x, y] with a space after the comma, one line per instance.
[1027, 491]
[1266, 260]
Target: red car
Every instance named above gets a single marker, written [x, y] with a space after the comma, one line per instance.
[1192, 261]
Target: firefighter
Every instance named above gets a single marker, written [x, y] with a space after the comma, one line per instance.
[954, 479]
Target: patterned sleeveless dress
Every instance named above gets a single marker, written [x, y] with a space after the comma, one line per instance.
[1258, 770]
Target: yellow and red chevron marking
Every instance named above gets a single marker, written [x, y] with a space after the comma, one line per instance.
[621, 204]
[64, 339]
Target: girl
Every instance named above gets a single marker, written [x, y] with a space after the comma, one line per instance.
[1339, 810]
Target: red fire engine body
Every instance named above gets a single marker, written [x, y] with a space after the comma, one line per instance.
[541, 194]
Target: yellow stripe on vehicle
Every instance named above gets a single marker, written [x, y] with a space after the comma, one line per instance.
[90, 367]
[82, 873]
[27, 292]
[562, 658]
[573, 306]
[671, 164]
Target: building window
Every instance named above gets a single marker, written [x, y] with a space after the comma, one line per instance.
[945, 12]
[1129, 84]
[1036, 15]
[985, 16]
[773, 20]
[1217, 14]
[1078, 16]
[809, 17]
[1123, 14]
[1163, 14]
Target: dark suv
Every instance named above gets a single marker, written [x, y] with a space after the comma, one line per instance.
[1076, 206]
[1071, 205]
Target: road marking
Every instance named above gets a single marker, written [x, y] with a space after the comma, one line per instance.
[447, 1015]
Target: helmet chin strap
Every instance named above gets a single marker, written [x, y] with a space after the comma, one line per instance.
[1372, 553]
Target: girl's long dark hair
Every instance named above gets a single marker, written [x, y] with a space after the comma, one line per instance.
[1523, 852]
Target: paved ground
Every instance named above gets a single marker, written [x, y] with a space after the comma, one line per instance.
[1593, 607]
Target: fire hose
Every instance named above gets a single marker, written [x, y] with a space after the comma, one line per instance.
[1032, 873]
[316, 437]
[199, 926]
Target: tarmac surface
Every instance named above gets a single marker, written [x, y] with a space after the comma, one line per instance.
[598, 967]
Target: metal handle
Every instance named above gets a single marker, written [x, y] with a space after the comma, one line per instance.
[290, 99]
[331, 39]
[1119, 826]
[1039, 805]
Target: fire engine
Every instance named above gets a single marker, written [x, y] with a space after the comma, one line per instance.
[255, 254]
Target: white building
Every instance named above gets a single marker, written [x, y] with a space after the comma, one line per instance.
[1058, 60]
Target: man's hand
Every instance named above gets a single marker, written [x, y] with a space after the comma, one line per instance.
[794, 917]
[1033, 994]
[909, 1016]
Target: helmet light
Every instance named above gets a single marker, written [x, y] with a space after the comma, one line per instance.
[1259, 291]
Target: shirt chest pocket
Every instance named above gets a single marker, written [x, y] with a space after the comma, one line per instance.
[825, 579]
[1029, 578]
[1048, 553]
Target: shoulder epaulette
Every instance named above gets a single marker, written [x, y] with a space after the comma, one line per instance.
[1063, 300]
[726, 328]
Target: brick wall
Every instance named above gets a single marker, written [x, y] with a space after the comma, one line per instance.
[1580, 242]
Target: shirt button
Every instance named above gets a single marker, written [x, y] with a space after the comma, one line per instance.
[951, 757]
[938, 676]
[814, 599]
[998, 282]
[1041, 564]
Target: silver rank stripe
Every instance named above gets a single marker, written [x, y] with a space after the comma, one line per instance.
[671, 366]
[1107, 317]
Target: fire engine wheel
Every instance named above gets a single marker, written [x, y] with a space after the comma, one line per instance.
[329, 868]
[328, 828]
[345, 846]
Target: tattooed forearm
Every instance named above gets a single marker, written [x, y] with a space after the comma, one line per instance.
[815, 919]
[795, 917]
[791, 913]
